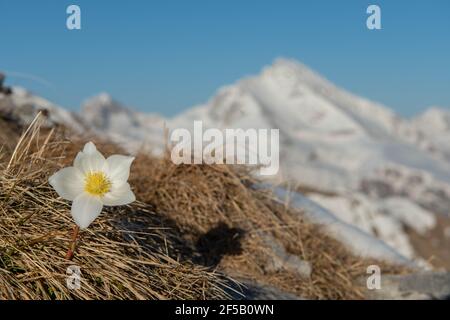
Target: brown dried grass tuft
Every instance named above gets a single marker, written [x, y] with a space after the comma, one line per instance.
[217, 209]
[127, 253]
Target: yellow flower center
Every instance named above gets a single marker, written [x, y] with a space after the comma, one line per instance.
[97, 184]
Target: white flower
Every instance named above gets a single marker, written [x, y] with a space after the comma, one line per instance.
[93, 182]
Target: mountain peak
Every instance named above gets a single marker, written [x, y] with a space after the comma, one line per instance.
[292, 69]
[104, 97]
[98, 110]
[434, 119]
[283, 62]
[436, 111]
[102, 103]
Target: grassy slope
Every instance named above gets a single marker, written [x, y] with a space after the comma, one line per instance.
[190, 225]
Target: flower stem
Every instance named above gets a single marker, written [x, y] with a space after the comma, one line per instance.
[73, 243]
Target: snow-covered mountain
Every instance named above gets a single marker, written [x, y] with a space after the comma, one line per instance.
[134, 130]
[354, 157]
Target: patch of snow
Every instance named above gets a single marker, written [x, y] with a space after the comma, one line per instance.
[385, 218]
[359, 242]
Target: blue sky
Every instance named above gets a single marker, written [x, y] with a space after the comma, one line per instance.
[166, 56]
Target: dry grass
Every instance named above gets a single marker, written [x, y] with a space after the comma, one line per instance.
[126, 254]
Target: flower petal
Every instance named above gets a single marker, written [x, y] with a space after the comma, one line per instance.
[119, 168]
[89, 148]
[85, 209]
[68, 182]
[77, 161]
[90, 160]
[119, 195]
